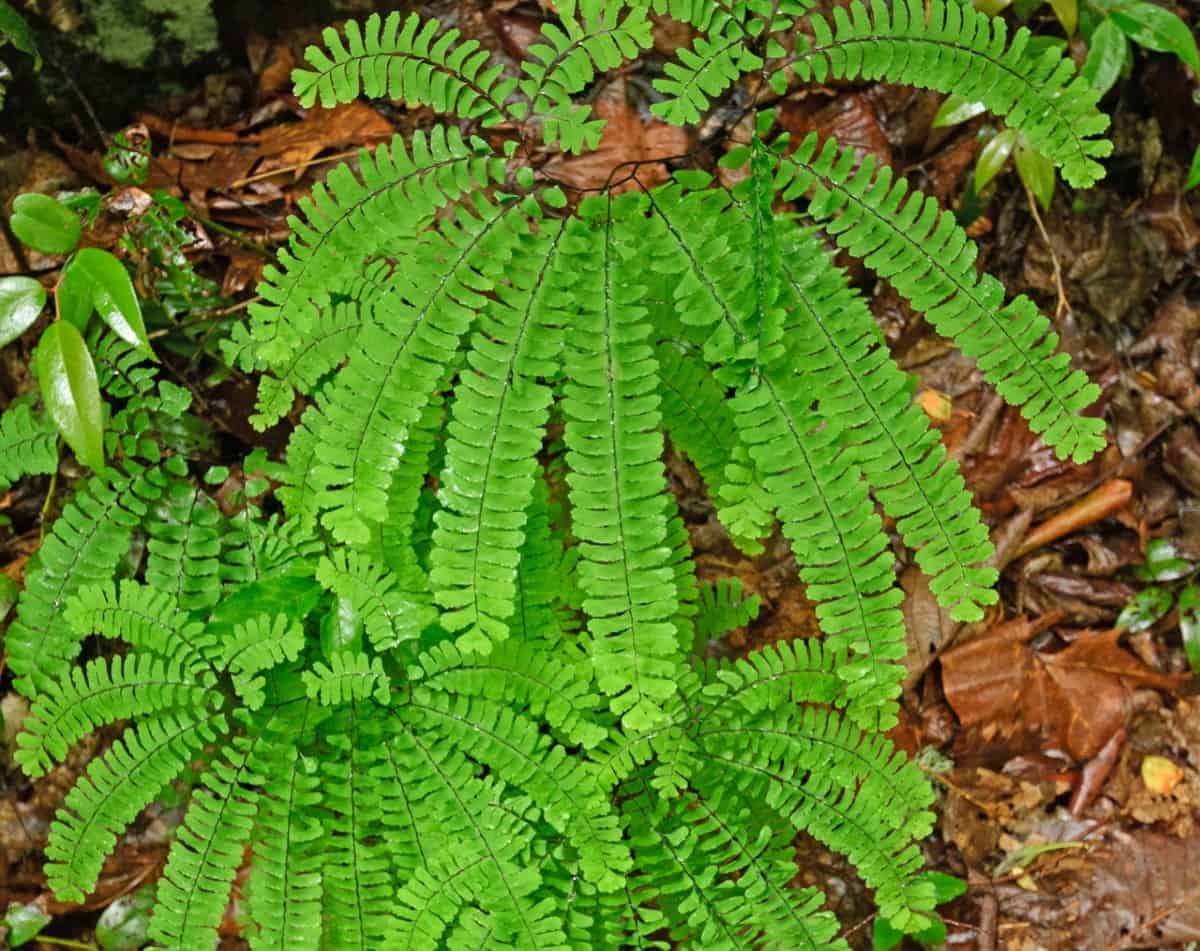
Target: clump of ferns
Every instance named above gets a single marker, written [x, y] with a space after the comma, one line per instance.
[514, 738]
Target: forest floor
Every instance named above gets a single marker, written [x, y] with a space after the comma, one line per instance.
[1066, 748]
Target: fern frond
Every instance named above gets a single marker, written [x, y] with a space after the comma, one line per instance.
[183, 551]
[603, 37]
[721, 876]
[801, 671]
[853, 792]
[393, 196]
[348, 676]
[723, 608]
[519, 676]
[401, 59]
[920, 250]
[28, 444]
[256, 645]
[834, 344]
[703, 71]
[392, 373]
[113, 790]
[105, 691]
[208, 850]
[563, 788]
[837, 537]
[495, 430]
[392, 612]
[952, 47]
[142, 617]
[284, 898]
[697, 418]
[617, 481]
[540, 618]
[87, 541]
[355, 868]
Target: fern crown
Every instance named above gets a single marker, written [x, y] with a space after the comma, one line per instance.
[459, 693]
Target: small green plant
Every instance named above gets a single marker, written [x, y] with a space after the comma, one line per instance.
[91, 282]
[1107, 27]
[1172, 583]
[456, 695]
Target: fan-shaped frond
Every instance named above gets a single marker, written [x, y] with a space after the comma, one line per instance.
[405, 58]
[208, 850]
[520, 676]
[564, 788]
[107, 690]
[952, 47]
[920, 250]
[28, 444]
[834, 344]
[700, 424]
[617, 482]
[704, 70]
[348, 676]
[394, 609]
[396, 364]
[853, 792]
[115, 788]
[499, 411]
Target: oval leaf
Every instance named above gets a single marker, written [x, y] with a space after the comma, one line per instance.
[993, 157]
[74, 296]
[44, 224]
[14, 28]
[113, 295]
[1189, 624]
[955, 109]
[71, 392]
[1106, 56]
[1146, 607]
[1157, 28]
[1067, 12]
[1037, 172]
[21, 300]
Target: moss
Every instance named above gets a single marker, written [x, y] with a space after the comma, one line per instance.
[141, 34]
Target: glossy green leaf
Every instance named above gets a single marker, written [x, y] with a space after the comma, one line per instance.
[43, 224]
[946, 887]
[1189, 624]
[955, 109]
[74, 296]
[21, 300]
[125, 924]
[1067, 12]
[1107, 51]
[294, 595]
[1163, 562]
[1193, 176]
[883, 936]
[1037, 172]
[1157, 28]
[993, 157]
[25, 922]
[1144, 608]
[15, 29]
[71, 392]
[113, 295]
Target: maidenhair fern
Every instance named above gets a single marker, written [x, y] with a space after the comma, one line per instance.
[457, 695]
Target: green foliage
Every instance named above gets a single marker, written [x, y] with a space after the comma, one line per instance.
[457, 696]
[143, 34]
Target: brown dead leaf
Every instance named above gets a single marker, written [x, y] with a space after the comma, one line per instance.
[1100, 503]
[352, 124]
[626, 138]
[850, 118]
[1074, 700]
